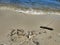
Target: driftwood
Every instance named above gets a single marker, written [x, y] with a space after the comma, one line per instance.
[44, 27]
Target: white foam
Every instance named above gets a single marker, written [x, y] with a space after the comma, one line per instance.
[37, 13]
[33, 12]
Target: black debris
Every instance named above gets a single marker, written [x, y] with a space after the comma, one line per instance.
[44, 27]
[20, 32]
[27, 36]
[12, 32]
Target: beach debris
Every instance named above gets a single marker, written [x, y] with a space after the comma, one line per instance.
[12, 32]
[36, 42]
[29, 34]
[21, 37]
[44, 27]
[13, 39]
[20, 32]
[15, 34]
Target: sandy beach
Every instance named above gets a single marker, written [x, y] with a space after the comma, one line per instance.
[11, 19]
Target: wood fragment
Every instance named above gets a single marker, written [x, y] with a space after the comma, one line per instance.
[44, 27]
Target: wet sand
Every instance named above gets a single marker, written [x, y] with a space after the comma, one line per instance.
[10, 20]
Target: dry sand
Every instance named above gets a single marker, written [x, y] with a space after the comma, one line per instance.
[10, 20]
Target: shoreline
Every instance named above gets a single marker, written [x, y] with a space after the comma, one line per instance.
[26, 10]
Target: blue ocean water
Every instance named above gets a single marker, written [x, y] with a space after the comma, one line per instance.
[34, 3]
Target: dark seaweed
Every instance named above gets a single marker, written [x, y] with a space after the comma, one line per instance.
[46, 27]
